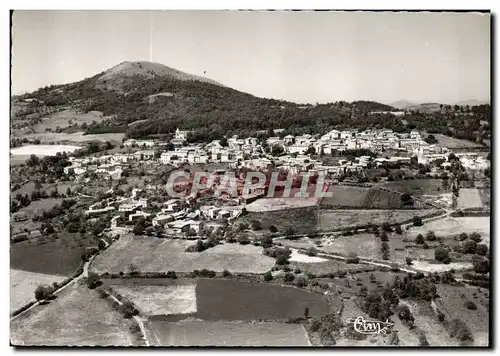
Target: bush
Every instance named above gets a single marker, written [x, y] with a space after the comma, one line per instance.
[470, 305]
[431, 236]
[420, 239]
[476, 237]
[458, 329]
[482, 249]
[311, 251]
[386, 227]
[226, 273]
[268, 276]
[442, 255]
[352, 258]
[409, 261]
[273, 229]
[171, 274]
[128, 310]
[398, 230]
[297, 270]
[470, 246]
[384, 237]
[315, 325]
[42, 292]
[417, 221]
[405, 315]
[301, 282]
[463, 236]
[289, 277]
[93, 280]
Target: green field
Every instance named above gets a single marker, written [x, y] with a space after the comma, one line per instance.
[151, 254]
[77, 317]
[225, 334]
[60, 256]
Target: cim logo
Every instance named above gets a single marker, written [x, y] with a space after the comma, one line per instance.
[370, 327]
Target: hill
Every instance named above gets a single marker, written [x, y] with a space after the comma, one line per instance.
[117, 77]
[159, 99]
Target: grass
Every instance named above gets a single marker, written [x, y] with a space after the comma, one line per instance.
[23, 285]
[62, 118]
[417, 186]
[220, 299]
[359, 197]
[44, 255]
[363, 245]
[451, 303]
[160, 299]
[151, 254]
[223, 333]
[451, 142]
[302, 220]
[469, 198]
[449, 226]
[74, 137]
[336, 219]
[78, 317]
[275, 204]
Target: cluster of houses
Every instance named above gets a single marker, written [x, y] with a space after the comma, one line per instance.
[296, 156]
[176, 216]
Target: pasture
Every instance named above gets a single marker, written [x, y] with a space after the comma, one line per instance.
[151, 254]
[450, 226]
[416, 186]
[48, 255]
[159, 296]
[224, 299]
[43, 150]
[78, 137]
[66, 118]
[23, 285]
[451, 142]
[302, 220]
[360, 197]
[469, 198]
[341, 219]
[451, 302]
[273, 204]
[88, 321]
[363, 245]
[225, 334]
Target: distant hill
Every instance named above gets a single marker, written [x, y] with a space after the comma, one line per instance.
[402, 104]
[472, 102]
[158, 99]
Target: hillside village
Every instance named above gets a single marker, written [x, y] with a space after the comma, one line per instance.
[153, 207]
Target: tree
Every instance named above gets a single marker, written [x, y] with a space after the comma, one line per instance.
[476, 237]
[277, 150]
[93, 280]
[469, 246]
[384, 237]
[289, 277]
[273, 229]
[268, 276]
[463, 236]
[442, 255]
[138, 229]
[420, 239]
[42, 292]
[481, 265]
[223, 142]
[481, 249]
[306, 313]
[405, 315]
[409, 261]
[431, 236]
[398, 230]
[132, 269]
[256, 225]
[417, 221]
[386, 227]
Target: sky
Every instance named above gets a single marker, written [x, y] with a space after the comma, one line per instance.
[306, 57]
